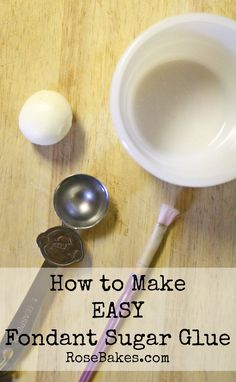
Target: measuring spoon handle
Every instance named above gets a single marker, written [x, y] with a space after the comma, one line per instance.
[24, 318]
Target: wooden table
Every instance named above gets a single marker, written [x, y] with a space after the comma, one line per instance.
[72, 47]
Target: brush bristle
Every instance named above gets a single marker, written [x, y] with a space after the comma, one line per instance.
[167, 215]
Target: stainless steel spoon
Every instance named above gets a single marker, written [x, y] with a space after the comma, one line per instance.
[81, 201]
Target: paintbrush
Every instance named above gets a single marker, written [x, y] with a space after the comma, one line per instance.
[166, 216]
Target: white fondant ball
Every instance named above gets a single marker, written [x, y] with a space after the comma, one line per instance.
[45, 118]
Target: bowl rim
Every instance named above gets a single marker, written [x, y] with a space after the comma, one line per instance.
[114, 101]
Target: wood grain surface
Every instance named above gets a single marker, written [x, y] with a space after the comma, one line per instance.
[72, 46]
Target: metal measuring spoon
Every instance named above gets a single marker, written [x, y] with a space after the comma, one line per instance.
[80, 201]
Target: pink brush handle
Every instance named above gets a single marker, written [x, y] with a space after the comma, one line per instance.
[144, 262]
[112, 324]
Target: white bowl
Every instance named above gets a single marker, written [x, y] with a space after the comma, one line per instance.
[173, 100]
